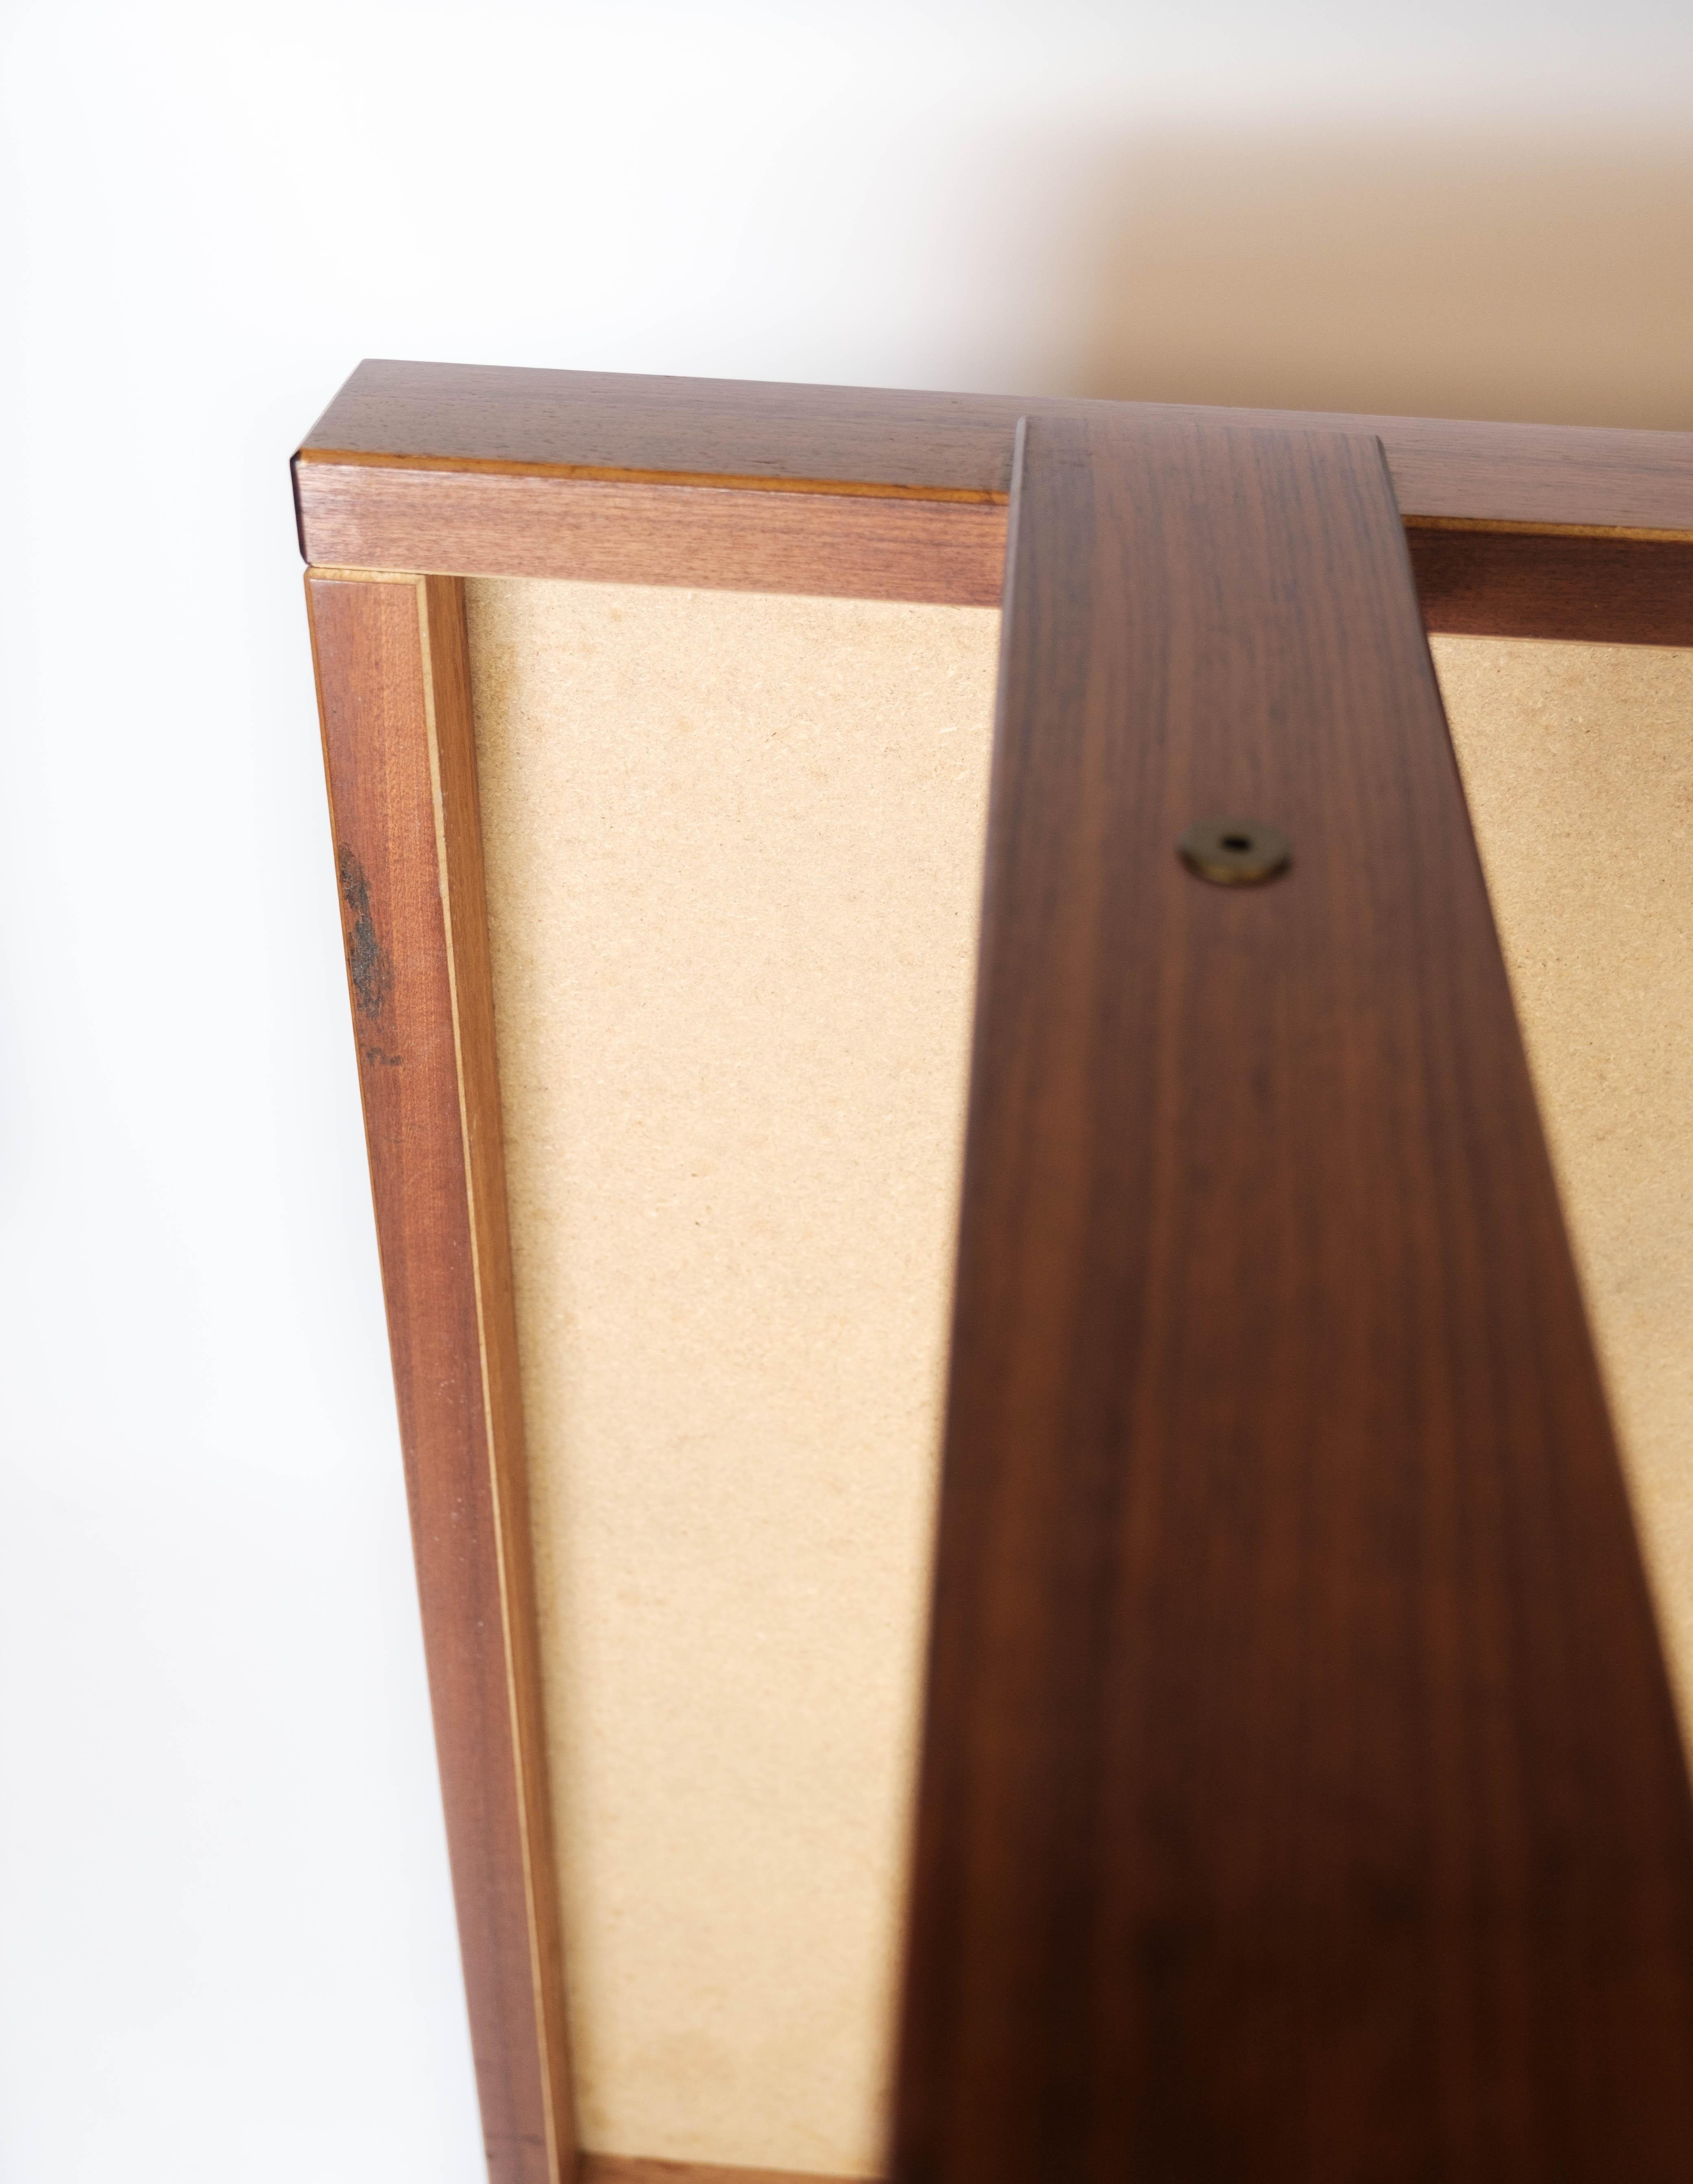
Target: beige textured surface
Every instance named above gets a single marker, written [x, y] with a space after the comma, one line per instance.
[1578, 759]
[734, 849]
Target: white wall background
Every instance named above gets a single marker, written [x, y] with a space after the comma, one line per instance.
[226, 1940]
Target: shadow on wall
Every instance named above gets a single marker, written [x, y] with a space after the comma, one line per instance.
[1547, 279]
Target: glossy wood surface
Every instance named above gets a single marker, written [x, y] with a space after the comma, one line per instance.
[938, 446]
[1302, 1797]
[1517, 530]
[632, 2169]
[483, 524]
[394, 696]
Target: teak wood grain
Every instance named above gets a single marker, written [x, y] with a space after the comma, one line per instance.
[869, 493]
[1572, 585]
[394, 687]
[487, 524]
[936, 446]
[1302, 1798]
[628, 2169]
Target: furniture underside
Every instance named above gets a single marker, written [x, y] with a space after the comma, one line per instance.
[1297, 1789]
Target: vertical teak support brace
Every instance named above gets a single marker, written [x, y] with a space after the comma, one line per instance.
[1301, 1795]
[393, 690]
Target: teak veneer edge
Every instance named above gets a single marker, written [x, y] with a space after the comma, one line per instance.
[1515, 530]
[636, 2169]
[393, 684]
[765, 435]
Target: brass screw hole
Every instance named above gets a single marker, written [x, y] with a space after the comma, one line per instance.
[1235, 852]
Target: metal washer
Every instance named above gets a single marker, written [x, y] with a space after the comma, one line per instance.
[1235, 852]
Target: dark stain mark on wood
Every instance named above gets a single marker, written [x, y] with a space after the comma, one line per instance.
[367, 963]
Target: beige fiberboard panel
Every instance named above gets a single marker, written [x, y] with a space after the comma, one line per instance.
[735, 862]
[1577, 761]
[734, 852]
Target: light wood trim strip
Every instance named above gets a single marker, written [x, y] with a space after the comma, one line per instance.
[393, 691]
[1302, 1797]
[634, 2168]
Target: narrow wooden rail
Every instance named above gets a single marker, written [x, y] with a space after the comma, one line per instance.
[1515, 530]
[1302, 1796]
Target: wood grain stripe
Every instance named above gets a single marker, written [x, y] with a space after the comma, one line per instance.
[1554, 584]
[476, 524]
[765, 433]
[870, 493]
[1302, 1798]
[1472, 582]
[394, 695]
[634, 2168]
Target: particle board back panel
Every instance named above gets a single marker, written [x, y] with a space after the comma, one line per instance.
[734, 850]
[1577, 761]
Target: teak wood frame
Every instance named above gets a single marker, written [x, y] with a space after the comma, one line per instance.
[419, 475]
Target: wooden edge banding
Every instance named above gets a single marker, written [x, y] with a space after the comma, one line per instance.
[635, 2169]
[766, 436]
[458, 819]
[393, 691]
[865, 536]
[1575, 585]
[611, 474]
[478, 523]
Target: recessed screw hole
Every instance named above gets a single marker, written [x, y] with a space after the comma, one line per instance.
[1234, 852]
